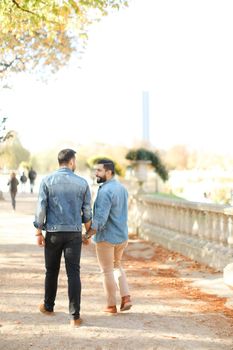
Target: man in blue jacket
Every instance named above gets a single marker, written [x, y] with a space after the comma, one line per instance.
[110, 230]
[64, 203]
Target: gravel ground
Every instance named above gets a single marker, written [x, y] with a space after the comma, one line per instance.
[169, 311]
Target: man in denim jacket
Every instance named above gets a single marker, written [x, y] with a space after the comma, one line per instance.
[109, 226]
[64, 203]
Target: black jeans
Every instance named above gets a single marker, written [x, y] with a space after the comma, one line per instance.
[55, 244]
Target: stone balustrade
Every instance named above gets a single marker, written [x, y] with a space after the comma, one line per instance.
[200, 231]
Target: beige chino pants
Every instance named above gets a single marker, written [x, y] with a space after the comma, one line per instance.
[109, 257]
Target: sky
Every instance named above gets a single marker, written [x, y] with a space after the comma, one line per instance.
[179, 51]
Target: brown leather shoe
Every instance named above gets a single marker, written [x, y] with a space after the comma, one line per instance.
[76, 323]
[126, 303]
[44, 311]
[112, 310]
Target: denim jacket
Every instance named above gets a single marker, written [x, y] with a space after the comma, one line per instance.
[111, 213]
[64, 202]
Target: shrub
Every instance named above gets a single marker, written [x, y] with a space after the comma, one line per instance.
[156, 163]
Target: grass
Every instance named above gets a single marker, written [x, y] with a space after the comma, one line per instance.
[166, 195]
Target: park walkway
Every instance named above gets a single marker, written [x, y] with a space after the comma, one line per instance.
[171, 310]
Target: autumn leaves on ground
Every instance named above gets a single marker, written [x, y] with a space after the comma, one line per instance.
[169, 312]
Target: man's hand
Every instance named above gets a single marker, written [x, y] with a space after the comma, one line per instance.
[40, 240]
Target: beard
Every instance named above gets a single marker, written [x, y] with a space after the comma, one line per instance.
[100, 180]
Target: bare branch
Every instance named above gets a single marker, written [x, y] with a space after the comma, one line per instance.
[23, 9]
[6, 66]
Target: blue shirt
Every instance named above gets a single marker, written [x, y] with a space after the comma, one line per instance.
[111, 213]
[64, 202]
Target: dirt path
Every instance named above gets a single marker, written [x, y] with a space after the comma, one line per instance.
[169, 312]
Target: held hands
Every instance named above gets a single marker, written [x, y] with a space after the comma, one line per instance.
[85, 240]
[87, 236]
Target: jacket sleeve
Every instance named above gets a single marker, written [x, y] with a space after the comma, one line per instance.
[40, 216]
[102, 209]
[86, 207]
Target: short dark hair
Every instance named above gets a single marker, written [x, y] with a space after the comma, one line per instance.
[65, 155]
[108, 164]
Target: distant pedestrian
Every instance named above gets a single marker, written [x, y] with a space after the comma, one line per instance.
[207, 197]
[23, 179]
[13, 184]
[32, 177]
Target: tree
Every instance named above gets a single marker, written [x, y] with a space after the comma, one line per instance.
[4, 135]
[12, 152]
[37, 33]
[177, 157]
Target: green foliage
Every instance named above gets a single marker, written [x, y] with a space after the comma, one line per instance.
[144, 154]
[178, 157]
[94, 160]
[24, 165]
[13, 153]
[221, 196]
[45, 33]
[46, 161]
[168, 196]
[30, 163]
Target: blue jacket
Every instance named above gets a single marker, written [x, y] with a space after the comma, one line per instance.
[64, 202]
[111, 213]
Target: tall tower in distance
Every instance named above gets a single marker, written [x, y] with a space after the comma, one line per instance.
[145, 118]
